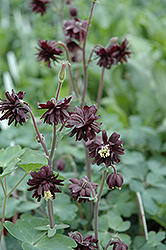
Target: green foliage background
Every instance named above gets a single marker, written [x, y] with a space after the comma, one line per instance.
[133, 105]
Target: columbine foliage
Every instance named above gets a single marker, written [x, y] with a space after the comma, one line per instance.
[100, 216]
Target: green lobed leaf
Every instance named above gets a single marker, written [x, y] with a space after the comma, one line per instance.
[28, 205]
[7, 171]
[61, 242]
[63, 208]
[25, 228]
[155, 238]
[33, 156]
[116, 223]
[10, 156]
[30, 166]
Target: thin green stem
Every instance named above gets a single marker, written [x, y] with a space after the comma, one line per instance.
[58, 91]
[53, 146]
[70, 72]
[3, 215]
[96, 209]
[61, 14]
[37, 131]
[50, 213]
[3, 188]
[84, 56]
[4, 206]
[88, 163]
[100, 90]
[17, 184]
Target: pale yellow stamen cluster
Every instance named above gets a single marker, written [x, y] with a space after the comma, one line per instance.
[104, 151]
[47, 195]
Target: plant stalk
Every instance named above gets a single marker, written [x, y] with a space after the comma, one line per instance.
[100, 90]
[84, 57]
[96, 209]
[53, 146]
[50, 213]
[37, 131]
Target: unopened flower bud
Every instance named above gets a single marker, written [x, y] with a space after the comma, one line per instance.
[73, 11]
[59, 164]
[62, 72]
[115, 180]
[68, 2]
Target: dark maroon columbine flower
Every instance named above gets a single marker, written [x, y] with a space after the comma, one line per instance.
[75, 29]
[57, 112]
[44, 181]
[83, 243]
[121, 52]
[39, 6]
[118, 244]
[13, 109]
[48, 51]
[112, 54]
[106, 150]
[106, 59]
[115, 180]
[59, 164]
[82, 188]
[84, 123]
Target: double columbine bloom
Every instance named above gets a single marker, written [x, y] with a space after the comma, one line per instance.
[57, 112]
[48, 51]
[84, 123]
[12, 108]
[39, 6]
[44, 183]
[83, 243]
[113, 54]
[75, 29]
[106, 150]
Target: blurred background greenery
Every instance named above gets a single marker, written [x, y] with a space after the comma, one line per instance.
[133, 102]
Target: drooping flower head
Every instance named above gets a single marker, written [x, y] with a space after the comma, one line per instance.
[83, 243]
[59, 164]
[112, 54]
[44, 182]
[39, 6]
[114, 180]
[57, 112]
[48, 51]
[75, 29]
[118, 244]
[12, 109]
[81, 188]
[84, 123]
[75, 50]
[106, 150]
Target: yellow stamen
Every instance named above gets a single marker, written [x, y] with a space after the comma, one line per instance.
[47, 195]
[104, 151]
